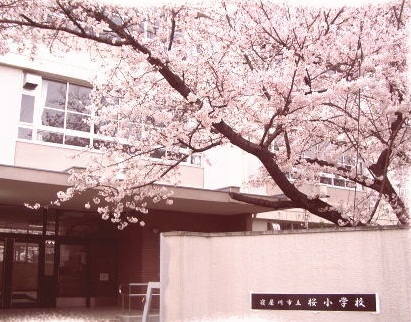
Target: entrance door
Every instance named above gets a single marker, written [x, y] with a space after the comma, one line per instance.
[2, 252]
[25, 273]
[73, 275]
[19, 271]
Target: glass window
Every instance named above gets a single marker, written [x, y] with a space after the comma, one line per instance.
[350, 184]
[76, 141]
[326, 180]
[2, 246]
[24, 275]
[98, 144]
[73, 223]
[77, 122]
[72, 270]
[63, 106]
[52, 137]
[25, 133]
[172, 155]
[158, 153]
[339, 182]
[63, 117]
[78, 98]
[55, 94]
[20, 220]
[129, 130]
[49, 258]
[196, 159]
[52, 118]
[27, 108]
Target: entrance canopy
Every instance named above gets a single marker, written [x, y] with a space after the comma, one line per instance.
[24, 185]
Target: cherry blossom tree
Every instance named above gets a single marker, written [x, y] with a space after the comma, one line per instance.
[299, 88]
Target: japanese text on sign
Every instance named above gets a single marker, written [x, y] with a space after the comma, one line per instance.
[315, 302]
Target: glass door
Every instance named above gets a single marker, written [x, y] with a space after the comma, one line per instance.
[73, 271]
[2, 252]
[25, 273]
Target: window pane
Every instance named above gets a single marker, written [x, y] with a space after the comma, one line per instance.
[20, 220]
[129, 130]
[49, 258]
[73, 223]
[325, 180]
[158, 153]
[350, 184]
[107, 128]
[339, 182]
[25, 273]
[77, 122]
[196, 159]
[98, 144]
[77, 141]
[27, 108]
[2, 246]
[56, 94]
[52, 118]
[51, 224]
[51, 137]
[25, 133]
[177, 156]
[72, 270]
[78, 98]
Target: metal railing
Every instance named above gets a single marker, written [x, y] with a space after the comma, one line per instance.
[127, 290]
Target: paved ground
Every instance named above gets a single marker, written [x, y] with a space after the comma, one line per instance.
[73, 315]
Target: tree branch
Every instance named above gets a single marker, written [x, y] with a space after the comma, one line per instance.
[273, 205]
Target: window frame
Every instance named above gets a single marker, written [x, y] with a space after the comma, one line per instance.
[37, 127]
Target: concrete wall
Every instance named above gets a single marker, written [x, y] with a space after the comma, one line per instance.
[57, 158]
[11, 81]
[209, 277]
[41, 155]
[139, 248]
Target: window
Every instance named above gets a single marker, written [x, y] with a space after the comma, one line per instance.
[27, 108]
[26, 116]
[339, 182]
[326, 180]
[64, 114]
[56, 113]
[334, 180]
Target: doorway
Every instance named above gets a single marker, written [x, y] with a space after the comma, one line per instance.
[19, 272]
[73, 275]
[2, 252]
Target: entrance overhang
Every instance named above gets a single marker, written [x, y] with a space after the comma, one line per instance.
[24, 185]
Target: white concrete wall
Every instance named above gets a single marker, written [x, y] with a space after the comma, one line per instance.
[11, 81]
[229, 166]
[74, 67]
[12, 66]
[210, 277]
[56, 158]
[223, 167]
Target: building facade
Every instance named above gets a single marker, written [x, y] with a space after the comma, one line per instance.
[69, 256]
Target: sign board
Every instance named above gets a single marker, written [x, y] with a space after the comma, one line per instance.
[315, 302]
[104, 277]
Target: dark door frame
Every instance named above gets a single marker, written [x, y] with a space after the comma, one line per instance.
[8, 262]
[78, 242]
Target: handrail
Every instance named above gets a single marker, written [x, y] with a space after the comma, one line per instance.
[128, 292]
[151, 286]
